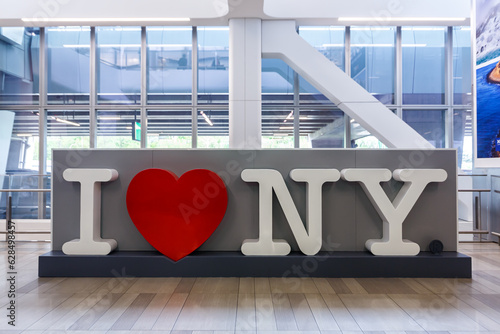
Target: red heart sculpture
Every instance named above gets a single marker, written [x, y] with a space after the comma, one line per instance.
[176, 215]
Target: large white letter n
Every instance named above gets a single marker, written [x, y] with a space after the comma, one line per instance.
[309, 240]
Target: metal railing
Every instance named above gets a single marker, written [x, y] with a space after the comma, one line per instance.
[8, 211]
[18, 182]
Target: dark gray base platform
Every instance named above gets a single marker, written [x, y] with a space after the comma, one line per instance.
[234, 264]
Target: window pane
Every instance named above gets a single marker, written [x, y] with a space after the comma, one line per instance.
[66, 129]
[213, 62]
[119, 64]
[169, 64]
[277, 128]
[68, 65]
[19, 162]
[19, 65]
[373, 60]
[118, 129]
[169, 129]
[277, 82]
[321, 128]
[462, 65]
[428, 123]
[423, 65]
[362, 138]
[213, 129]
[22, 156]
[462, 138]
[330, 42]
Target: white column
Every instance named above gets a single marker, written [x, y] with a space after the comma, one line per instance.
[245, 83]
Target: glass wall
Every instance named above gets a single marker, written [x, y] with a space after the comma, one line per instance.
[118, 129]
[19, 65]
[277, 82]
[321, 128]
[213, 128]
[66, 129]
[169, 129]
[68, 65]
[373, 60]
[430, 124]
[213, 65]
[423, 65]
[330, 41]
[118, 65]
[462, 137]
[277, 127]
[289, 120]
[462, 82]
[170, 70]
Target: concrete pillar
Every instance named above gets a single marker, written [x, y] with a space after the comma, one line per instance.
[245, 101]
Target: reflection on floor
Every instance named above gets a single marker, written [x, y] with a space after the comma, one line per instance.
[252, 305]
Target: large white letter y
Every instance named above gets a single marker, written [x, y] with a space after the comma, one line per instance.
[393, 214]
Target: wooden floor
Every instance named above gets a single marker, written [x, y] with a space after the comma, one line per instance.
[248, 305]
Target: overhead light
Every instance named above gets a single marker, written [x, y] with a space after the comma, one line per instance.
[372, 28]
[206, 118]
[332, 45]
[24, 135]
[411, 19]
[169, 29]
[286, 127]
[108, 19]
[60, 120]
[290, 116]
[423, 28]
[373, 45]
[321, 28]
[110, 118]
[86, 46]
[280, 135]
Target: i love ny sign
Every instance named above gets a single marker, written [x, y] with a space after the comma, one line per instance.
[177, 214]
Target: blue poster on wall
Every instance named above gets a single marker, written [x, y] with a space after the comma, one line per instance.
[488, 83]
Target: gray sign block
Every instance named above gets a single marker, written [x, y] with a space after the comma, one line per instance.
[349, 218]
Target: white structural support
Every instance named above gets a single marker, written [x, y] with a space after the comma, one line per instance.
[245, 83]
[280, 40]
